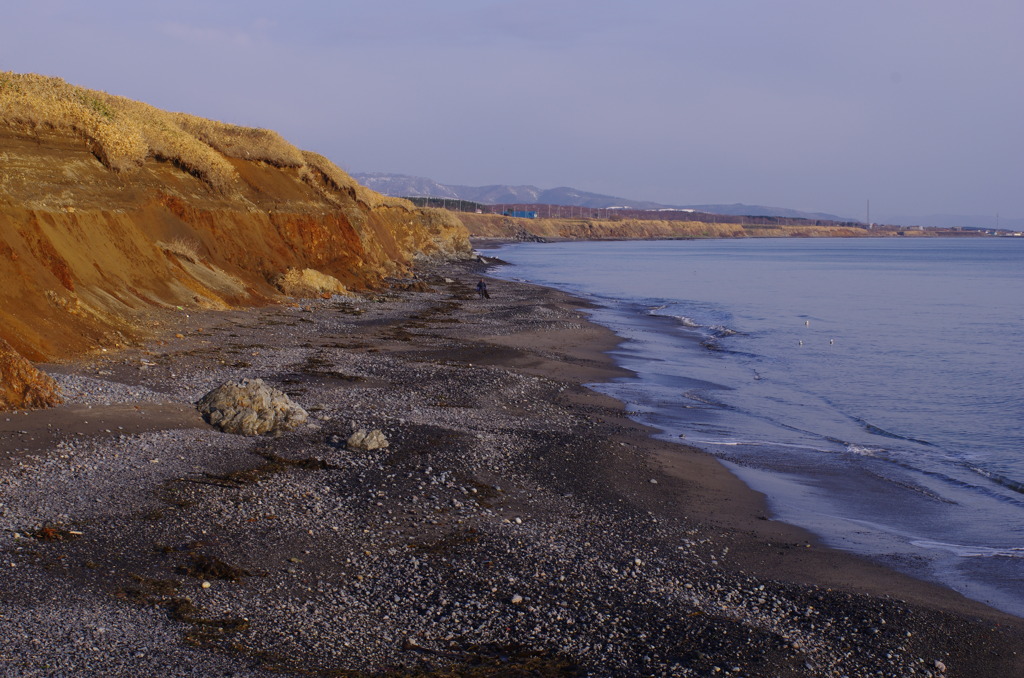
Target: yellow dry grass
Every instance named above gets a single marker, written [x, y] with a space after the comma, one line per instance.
[186, 248]
[249, 143]
[123, 133]
[339, 180]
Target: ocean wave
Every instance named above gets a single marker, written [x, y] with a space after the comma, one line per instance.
[705, 400]
[684, 320]
[717, 331]
[863, 450]
[879, 431]
[766, 444]
[1008, 483]
[971, 551]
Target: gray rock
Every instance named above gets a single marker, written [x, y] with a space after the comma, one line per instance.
[361, 440]
[249, 407]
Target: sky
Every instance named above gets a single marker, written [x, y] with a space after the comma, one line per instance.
[914, 105]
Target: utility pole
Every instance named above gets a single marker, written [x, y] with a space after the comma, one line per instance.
[869, 214]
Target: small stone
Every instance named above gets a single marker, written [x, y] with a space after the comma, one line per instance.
[517, 599]
[939, 666]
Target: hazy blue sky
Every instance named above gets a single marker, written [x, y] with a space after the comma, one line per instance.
[917, 105]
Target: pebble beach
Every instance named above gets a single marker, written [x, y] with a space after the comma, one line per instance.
[516, 524]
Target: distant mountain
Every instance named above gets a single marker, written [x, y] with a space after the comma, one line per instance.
[414, 187]
[405, 186]
[740, 210]
[563, 195]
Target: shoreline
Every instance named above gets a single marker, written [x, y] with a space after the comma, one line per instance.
[517, 521]
[611, 314]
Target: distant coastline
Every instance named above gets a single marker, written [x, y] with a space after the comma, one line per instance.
[567, 202]
[496, 226]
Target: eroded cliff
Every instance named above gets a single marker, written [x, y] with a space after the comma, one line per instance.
[110, 208]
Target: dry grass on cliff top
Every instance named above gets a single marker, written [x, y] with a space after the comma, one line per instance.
[123, 133]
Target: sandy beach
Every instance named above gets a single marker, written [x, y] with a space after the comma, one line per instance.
[517, 524]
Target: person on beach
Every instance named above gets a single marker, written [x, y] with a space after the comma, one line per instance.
[481, 288]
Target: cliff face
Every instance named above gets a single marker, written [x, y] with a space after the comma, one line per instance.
[93, 235]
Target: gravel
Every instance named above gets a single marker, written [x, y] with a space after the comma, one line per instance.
[491, 537]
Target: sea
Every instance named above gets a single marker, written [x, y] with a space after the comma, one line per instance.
[871, 388]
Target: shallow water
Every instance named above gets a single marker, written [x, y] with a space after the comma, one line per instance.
[872, 388]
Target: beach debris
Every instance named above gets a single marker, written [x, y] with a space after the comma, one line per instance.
[250, 407]
[363, 440]
[52, 533]
[205, 568]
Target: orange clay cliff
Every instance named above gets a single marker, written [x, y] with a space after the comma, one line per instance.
[111, 209]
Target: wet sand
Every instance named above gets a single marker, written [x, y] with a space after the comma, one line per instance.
[517, 524]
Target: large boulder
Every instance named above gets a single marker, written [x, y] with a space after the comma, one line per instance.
[250, 408]
[364, 440]
[308, 283]
[22, 386]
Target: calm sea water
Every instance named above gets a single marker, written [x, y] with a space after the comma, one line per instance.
[872, 388]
